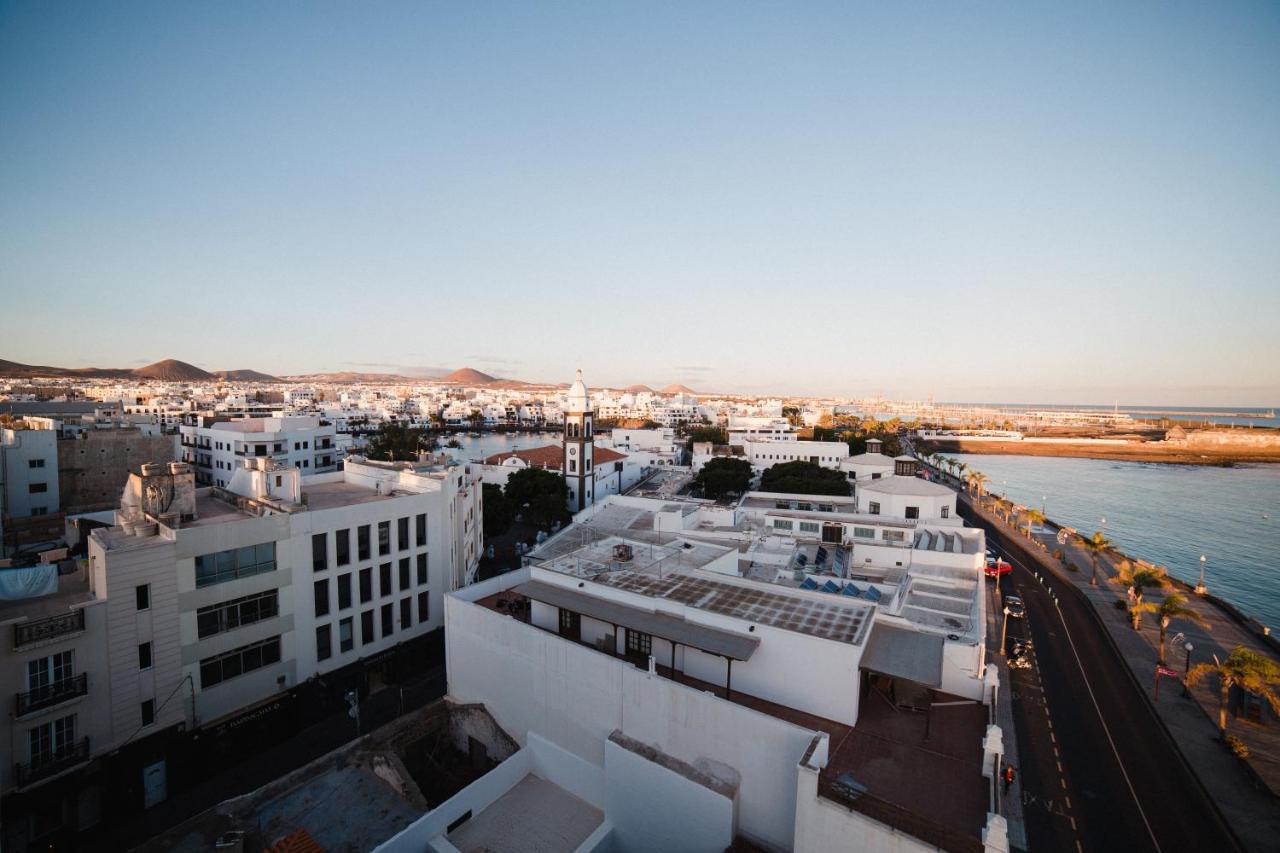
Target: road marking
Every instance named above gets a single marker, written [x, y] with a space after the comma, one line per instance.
[1068, 799]
[1073, 823]
[1063, 782]
[1105, 728]
[1053, 740]
[1079, 849]
[1059, 763]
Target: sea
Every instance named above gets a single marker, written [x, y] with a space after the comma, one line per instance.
[1166, 514]
[476, 447]
[1242, 416]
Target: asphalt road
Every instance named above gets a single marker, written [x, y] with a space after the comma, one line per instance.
[1099, 772]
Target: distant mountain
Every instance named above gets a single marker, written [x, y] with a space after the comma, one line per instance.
[468, 376]
[678, 389]
[638, 389]
[172, 370]
[245, 376]
[351, 376]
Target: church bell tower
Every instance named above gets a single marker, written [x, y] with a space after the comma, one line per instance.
[579, 464]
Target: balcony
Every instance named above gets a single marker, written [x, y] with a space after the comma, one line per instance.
[39, 630]
[50, 695]
[51, 764]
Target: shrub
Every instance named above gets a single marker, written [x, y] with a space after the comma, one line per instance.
[1238, 747]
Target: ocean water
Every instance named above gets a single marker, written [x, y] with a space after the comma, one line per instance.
[488, 443]
[1216, 415]
[1167, 514]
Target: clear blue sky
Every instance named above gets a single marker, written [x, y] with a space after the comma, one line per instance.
[1049, 202]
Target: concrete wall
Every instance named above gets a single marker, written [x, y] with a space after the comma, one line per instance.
[93, 468]
[822, 825]
[656, 807]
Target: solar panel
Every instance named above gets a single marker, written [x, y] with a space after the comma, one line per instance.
[830, 586]
[808, 584]
[873, 594]
[851, 590]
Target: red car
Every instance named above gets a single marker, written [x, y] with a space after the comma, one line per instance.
[997, 567]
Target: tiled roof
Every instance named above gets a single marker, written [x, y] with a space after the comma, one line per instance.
[552, 456]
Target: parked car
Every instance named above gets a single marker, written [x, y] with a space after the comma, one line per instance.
[1014, 605]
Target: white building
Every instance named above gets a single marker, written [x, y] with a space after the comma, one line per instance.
[216, 447]
[28, 471]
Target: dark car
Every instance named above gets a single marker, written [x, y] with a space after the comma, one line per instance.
[1014, 605]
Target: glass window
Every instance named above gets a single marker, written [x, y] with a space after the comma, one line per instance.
[422, 569]
[322, 597]
[388, 620]
[142, 596]
[874, 508]
[148, 712]
[421, 522]
[220, 668]
[346, 638]
[344, 591]
[344, 546]
[319, 552]
[384, 538]
[406, 613]
[808, 527]
[864, 532]
[362, 542]
[235, 564]
[366, 628]
[781, 524]
[228, 615]
[424, 607]
[384, 580]
[404, 573]
[366, 586]
[323, 650]
[144, 656]
[402, 534]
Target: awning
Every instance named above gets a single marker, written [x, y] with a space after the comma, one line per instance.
[714, 640]
[904, 653]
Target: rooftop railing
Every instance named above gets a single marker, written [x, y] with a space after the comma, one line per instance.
[39, 630]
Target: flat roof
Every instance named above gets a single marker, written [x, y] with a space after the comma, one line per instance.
[844, 621]
[534, 814]
[714, 640]
[331, 495]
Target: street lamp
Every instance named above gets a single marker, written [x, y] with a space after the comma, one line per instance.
[1186, 669]
[1201, 589]
[1043, 500]
[1004, 626]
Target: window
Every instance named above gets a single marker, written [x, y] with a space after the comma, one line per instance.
[424, 607]
[421, 522]
[142, 596]
[639, 643]
[894, 536]
[864, 532]
[37, 488]
[323, 648]
[49, 671]
[148, 712]
[346, 637]
[808, 527]
[826, 508]
[224, 667]
[362, 542]
[406, 613]
[402, 534]
[366, 628]
[319, 552]
[53, 740]
[235, 564]
[388, 620]
[913, 512]
[384, 580]
[322, 597]
[573, 466]
[946, 512]
[384, 538]
[422, 569]
[35, 463]
[144, 656]
[344, 591]
[570, 624]
[874, 508]
[344, 547]
[366, 586]
[781, 524]
[229, 615]
[404, 573]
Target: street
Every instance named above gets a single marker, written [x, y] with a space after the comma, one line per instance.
[1098, 770]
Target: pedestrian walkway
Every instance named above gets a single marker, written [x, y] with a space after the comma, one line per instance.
[1011, 800]
[1243, 793]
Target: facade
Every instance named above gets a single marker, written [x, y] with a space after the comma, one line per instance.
[215, 447]
[579, 443]
[29, 498]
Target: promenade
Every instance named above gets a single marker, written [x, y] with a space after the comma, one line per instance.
[1243, 791]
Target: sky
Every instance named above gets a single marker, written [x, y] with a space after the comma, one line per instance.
[1074, 203]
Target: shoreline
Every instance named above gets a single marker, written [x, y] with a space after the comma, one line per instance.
[1132, 452]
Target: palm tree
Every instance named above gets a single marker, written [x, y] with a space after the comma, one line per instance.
[960, 466]
[1096, 545]
[979, 481]
[1245, 669]
[1173, 607]
[1034, 516]
[1140, 579]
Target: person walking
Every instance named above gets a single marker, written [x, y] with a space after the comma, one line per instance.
[1007, 775]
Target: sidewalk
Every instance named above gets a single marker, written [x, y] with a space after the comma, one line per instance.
[1244, 794]
[1010, 803]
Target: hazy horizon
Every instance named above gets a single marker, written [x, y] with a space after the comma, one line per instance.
[971, 202]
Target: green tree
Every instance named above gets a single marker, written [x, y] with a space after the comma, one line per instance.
[723, 476]
[396, 442]
[1242, 668]
[1032, 517]
[803, 478]
[1174, 607]
[649, 423]
[497, 511]
[1096, 545]
[715, 435]
[541, 495]
[1140, 579]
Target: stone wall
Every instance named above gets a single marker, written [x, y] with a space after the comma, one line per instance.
[93, 469]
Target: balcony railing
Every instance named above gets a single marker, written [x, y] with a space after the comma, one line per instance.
[53, 763]
[51, 694]
[39, 630]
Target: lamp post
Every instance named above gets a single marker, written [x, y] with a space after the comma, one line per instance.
[1201, 589]
[1004, 626]
[1043, 501]
[1186, 669]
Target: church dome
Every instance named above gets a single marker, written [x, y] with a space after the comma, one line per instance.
[579, 400]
